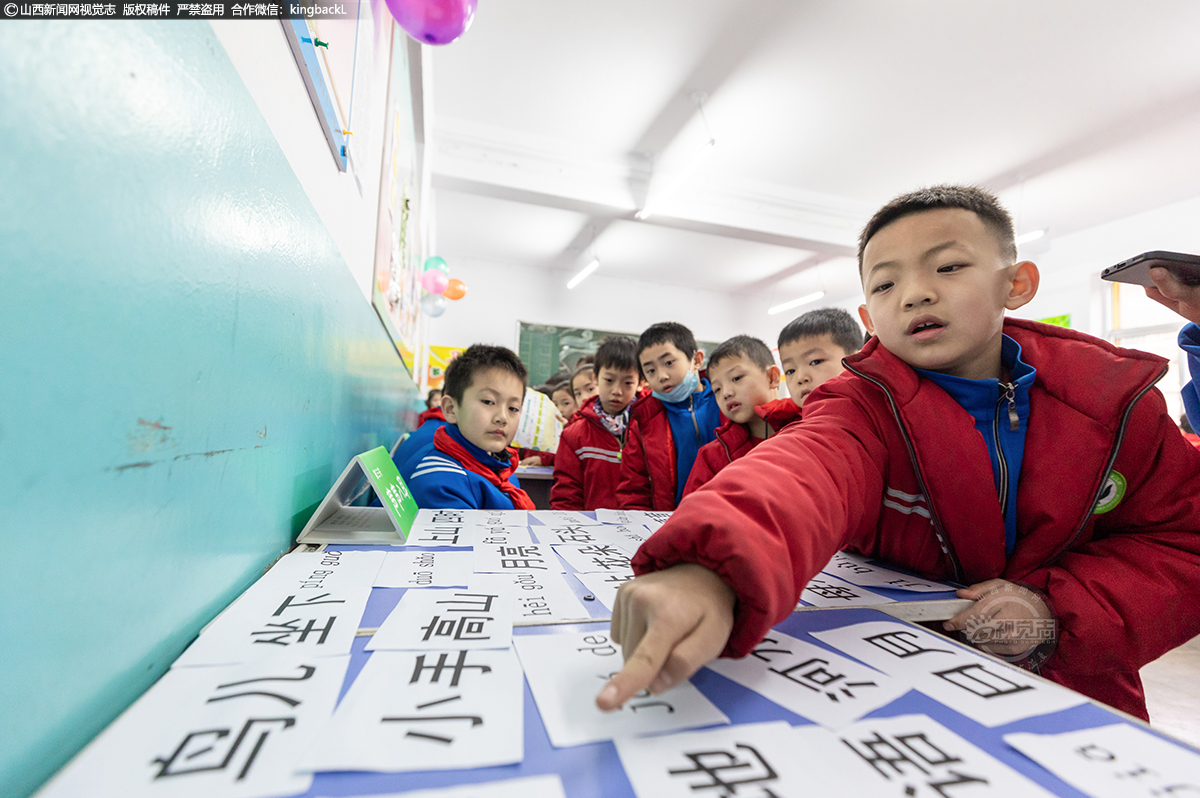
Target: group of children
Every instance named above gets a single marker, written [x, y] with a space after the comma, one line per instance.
[1037, 465]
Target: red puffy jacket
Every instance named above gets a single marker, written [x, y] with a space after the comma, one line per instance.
[734, 440]
[648, 465]
[889, 465]
[434, 413]
[587, 465]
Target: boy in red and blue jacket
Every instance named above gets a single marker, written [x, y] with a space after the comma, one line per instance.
[468, 463]
[745, 380]
[587, 466]
[964, 446]
[669, 427]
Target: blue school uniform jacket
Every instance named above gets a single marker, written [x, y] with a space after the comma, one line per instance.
[439, 481]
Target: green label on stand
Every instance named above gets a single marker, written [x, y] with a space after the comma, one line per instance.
[390, 487]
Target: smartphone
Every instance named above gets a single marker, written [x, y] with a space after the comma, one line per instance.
[1185, 268]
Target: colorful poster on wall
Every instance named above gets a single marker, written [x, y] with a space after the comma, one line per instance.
[439, 358]
[396, 289]
[1058, 321]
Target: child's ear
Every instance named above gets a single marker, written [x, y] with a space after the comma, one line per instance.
[449, 408]
[698, 359]
[866, 319]
[1024, 287]
[773, 375]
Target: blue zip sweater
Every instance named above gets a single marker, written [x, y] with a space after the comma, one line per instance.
[439, 481]
[409, 453]
[1189, 340]
[694, 422]
[997, 411]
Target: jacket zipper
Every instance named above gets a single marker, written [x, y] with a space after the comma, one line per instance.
[1112, 459]
[695, 424]
[938, 530]
[1013, 425]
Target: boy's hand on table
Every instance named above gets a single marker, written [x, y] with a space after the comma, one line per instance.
[668, 623]
[1169, 291]
[1006, 618]
[531, 460]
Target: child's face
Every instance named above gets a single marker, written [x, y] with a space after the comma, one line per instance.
[564, 400]
[937, 285]
[665, 365]
[585, 387]
[489, 411]
[617, 389]
[435, 399]
[808, 362]
[740, 386]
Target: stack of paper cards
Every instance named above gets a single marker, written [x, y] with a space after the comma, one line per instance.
[431, 710]
[477, 616]
[604, 586]
[446, 568]
[976, 686]
[650, 518]
[544, 597]
[237, 730]
[566, 671]
[592, 558]
[504, 559]
[496, 517]
[824, 590]
[811, 681]
[498, 535]
[1117, 761]
[855, 569]
[757, 760]
[552, 517]
[309, 602]
[437, 528]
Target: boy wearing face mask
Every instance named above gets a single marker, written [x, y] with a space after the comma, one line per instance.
[669, 427]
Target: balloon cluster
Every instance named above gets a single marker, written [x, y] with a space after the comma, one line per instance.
[439, 286]
[433, 21]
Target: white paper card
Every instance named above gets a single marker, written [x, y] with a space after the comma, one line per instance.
[824, 590]
[543, 597]
[590, 532]
[855, 569]
[550, 517]
[529, 787]
[496, 517]
[477, 616]
[1117, 761]
[811, 681]
[234, 730]
[567, 670]
[595, 558]
[431, 710]
[425, 569]
[506, 559]
[604, 586]
[310, 601]
[499, 535]
[914, 755]
[980, 688]
[651, 518]
[440, 534]
[755, 760]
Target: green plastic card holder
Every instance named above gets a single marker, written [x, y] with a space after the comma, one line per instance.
[336, 521]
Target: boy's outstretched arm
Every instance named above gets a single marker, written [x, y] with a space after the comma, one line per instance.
[668, 623]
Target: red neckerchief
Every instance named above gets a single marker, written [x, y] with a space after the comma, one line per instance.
[519, 498]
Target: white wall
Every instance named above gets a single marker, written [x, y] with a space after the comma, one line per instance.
[347, 202]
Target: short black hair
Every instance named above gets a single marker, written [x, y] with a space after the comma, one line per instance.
[978, 201]
[586, 368]
[429, 397]
[562, 386]
[481, 357]
[558, 377]
[667, 332]
[617, 352]
[834, 322]
[746, 346]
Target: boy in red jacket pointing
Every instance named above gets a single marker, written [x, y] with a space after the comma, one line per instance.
[745, 380]
[1036, 464]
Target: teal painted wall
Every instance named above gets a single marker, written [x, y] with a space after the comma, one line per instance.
[186, 365]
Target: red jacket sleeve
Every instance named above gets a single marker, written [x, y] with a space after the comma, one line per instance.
[1128, 595]
[567, 491]
[709, 460]
[770, 520]
[634, 491]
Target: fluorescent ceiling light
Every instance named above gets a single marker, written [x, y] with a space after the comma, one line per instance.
[796, 303]
[700, 157]
[583, 275]
[1025, 238]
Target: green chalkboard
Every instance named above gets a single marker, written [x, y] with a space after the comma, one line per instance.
[546, 349]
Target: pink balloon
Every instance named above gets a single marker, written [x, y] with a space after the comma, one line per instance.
[434, 281]
[433, 21]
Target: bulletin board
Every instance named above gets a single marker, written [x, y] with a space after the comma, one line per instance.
[395, 287]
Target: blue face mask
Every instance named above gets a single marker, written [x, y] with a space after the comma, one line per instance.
[681, 391]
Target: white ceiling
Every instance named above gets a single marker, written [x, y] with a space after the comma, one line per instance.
[551, 118]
